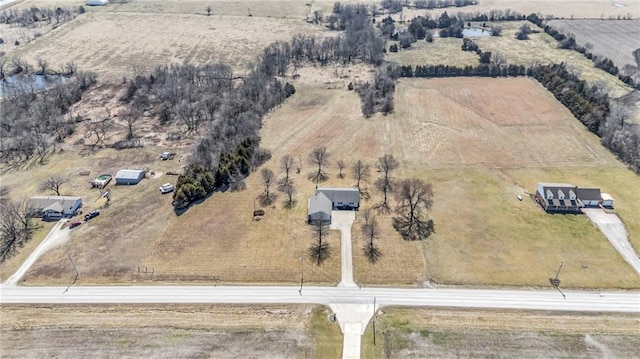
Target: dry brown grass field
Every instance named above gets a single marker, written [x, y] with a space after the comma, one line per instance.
[615, 39]
[462, 136]
[441, 51]
[168, 331]
[411, 332]
[110, 43]
[481, 142]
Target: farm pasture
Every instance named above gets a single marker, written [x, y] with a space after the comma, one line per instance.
[435, 332]
[168, 331]
[109, 43]
[442, 51]
[481, 142]
[614, 39]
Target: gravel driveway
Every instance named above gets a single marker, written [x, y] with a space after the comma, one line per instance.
[613, 229]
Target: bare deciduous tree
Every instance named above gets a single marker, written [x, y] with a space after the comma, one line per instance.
[208, 10]
[319, 251]
[130, 116]
[319, 157]
[370, 231]
[361, 172]
[53, 183]
[415, 199]
[386, 164]
[99, 129]
[43, 65]
[290, 191]
[341, 166]
[286, 164]
[268, 178]
[16, 228]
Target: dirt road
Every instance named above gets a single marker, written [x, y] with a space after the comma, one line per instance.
[57, 236]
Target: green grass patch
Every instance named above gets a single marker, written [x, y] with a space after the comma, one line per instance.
[327, 337]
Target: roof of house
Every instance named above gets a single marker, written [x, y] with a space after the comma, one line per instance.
[320, 203]
[552, 184]
[129, 174]
[338, 194]
[48, 202]
[589, 194]
[555, 187]
[606, 197]
[55, 207]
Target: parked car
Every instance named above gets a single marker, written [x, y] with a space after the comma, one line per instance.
[166, 188]
[91, 214]
[74, 224]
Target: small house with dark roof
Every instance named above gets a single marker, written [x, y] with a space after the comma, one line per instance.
[327, 199]
[558, 197]
[564, 197]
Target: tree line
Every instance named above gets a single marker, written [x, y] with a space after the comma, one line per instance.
[569, 42]
[482, 70]
[226, 110]
[395, 6]
[35, 119]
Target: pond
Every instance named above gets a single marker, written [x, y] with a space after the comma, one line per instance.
[22, 83]
[475, 32]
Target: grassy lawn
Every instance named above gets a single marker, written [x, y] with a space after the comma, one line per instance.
[485, 236]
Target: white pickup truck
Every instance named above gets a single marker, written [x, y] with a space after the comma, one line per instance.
[166, 188]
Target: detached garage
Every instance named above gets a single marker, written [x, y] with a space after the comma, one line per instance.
[129, 177]
[607, 200]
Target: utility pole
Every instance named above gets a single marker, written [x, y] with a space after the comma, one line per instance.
[76, 277]
[374, 320]
[556, 281]
[301, 273]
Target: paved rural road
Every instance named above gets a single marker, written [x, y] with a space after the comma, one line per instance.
[588, 301]
[353, 307]
[613, 228]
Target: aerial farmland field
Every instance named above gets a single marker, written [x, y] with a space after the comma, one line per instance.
[482, 143]
[613, 39]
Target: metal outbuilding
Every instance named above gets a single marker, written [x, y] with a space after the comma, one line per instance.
[129, 177]
[97, 2]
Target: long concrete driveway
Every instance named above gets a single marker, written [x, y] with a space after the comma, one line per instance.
[343, 220]
[613, 228]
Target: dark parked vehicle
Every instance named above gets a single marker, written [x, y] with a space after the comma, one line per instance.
[91, 214]
[74, 224]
